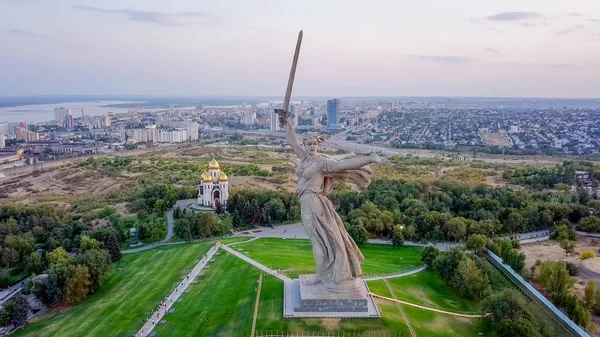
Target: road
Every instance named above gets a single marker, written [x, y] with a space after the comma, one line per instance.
[8, 293]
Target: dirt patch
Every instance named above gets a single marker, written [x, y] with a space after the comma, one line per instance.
[551, 250]
[331, 324]
[495, 139]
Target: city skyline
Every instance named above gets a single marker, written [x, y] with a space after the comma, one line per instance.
[467, 48]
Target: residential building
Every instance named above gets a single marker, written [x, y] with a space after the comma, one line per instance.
[295, 115]
[60, 113]
[274, 121]
[333, 111]
[192, 130]
[69, 120]
[23, 134]
[249, 118]
[2, 144]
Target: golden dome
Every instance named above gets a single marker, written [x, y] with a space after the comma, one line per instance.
[223, 177]
[206, 177]
[214, 165]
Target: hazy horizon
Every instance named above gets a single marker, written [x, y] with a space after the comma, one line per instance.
[467, 48]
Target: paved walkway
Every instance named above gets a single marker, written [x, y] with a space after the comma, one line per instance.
[394, 275]
[427, 308]
[256, 264]
[164, 307]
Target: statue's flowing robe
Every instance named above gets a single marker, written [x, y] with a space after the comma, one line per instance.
[336, 254]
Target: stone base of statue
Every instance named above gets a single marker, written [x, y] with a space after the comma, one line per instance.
[347, 299]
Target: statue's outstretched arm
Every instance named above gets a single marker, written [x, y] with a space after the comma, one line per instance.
[351, 164]
[292, 138]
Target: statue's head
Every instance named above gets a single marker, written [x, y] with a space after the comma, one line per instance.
[311, 143]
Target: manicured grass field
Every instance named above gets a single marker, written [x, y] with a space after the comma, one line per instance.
[121, 304]
[271, 309]
[428, 289]
[227, 285]
[296, 254]
[428, 323]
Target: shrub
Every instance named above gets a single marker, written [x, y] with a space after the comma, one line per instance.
[572, 268]
[587, 254]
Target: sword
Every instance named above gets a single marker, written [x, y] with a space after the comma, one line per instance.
[288, 93]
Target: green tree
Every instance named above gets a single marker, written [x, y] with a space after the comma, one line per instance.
[97, 263]
[4, 279]
[470, 281]
[111, 241]
[57, 256]
[505, 305]
[555, 278]
[428, 254]
[594, 204]
[34, 264]
[456, 228]
[88, 243]
[514, 222]
[359, 234]
[518, 328]
[590, 224]
[6, 313]
[397, 236]
[477, 243]
[20, 310]
[77, 285]
[568, 246]
[589, 292]
[183, 229]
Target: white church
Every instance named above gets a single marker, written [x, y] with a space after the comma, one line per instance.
[214, 187]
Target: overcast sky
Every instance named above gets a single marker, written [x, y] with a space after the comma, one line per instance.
[539, 48]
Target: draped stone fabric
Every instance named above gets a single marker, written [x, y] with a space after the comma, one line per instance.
[337, 256]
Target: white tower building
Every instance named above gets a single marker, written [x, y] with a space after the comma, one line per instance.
[214, 187]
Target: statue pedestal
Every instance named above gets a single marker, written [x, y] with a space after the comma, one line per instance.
[348, 299]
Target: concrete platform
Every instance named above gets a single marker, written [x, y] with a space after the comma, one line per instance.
[320, 302]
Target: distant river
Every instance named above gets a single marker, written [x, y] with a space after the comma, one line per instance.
[45, 112]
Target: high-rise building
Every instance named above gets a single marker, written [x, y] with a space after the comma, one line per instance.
[333, 111]
[4, 129]
[295, 115]
[106, 121]
[2, 144]
[249, 118]
[192, 130]
[69, 120]
[60, 113]
[274, 121]
[83, 112]
[23, 134]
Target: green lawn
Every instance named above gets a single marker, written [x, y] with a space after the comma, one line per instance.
[296, 254]
[428, 323]
[229, 285]
[271, 311]
[428, 289]
[121, 304]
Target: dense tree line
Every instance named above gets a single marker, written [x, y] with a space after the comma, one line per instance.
[539, 178]
[458, 270]
[442, 211]
[258, 207]
[194, 225]
[71, 278]
[509, 252]
[554, 277]
[509, 316]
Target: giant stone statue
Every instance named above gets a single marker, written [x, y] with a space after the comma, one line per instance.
[337, 287]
